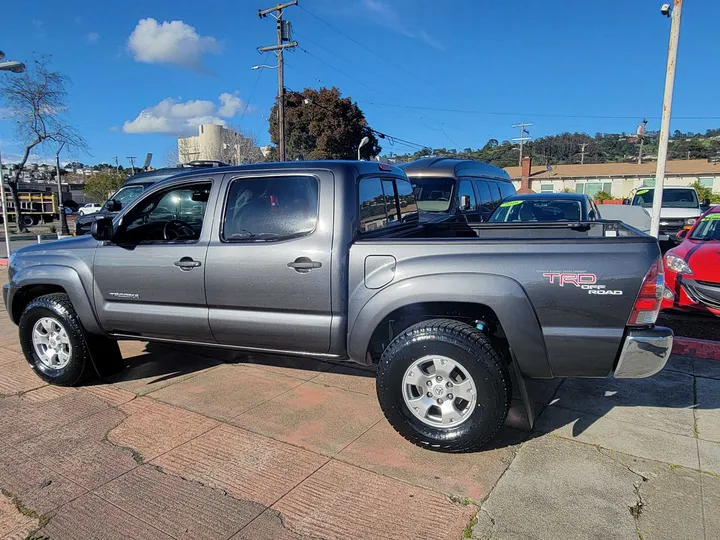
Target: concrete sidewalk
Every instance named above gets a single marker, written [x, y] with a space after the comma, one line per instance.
[208, 444]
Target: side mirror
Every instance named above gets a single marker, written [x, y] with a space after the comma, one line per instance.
[706, 202]
[682, 234]
[626, 201]
[102, 229]
[465, 202]
[113, 205]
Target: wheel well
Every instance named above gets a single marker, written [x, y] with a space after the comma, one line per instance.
[478, 315]
[27, 294]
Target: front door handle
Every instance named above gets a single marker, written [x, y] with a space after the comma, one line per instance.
[186, 263]
[303, 265]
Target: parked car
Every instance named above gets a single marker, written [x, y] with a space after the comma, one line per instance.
[328, 260]
[546, 207]
[89, 208]
[131, 190]
[692, 269]
[680, 209]
[457, 189]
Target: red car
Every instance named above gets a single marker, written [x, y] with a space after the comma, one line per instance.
[692, 269]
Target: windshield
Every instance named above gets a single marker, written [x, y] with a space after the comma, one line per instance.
[538, 210]
[126, 195]
[708, 228]
[672, 198]
[433, 194]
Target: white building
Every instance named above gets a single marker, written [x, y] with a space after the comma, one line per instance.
[218, 143]
[617, 179]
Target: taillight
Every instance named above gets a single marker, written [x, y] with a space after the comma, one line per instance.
[647, 304]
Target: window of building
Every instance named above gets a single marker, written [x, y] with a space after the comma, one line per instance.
[648, 182]
[607, 187]
[270, 209]
[707, 182]
[547, 188]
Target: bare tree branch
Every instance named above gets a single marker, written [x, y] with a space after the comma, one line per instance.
[37, 100]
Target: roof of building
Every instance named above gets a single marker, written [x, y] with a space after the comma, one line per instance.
[598, 170]
[434, 166]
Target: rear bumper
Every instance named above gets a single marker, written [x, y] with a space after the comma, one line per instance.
[644, 352]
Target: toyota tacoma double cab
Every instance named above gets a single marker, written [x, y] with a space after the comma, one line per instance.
[328, 260]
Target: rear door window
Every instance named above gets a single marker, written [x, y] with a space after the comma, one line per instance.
[507, 189]
[465, 191]
[270, 209]
[495, 194]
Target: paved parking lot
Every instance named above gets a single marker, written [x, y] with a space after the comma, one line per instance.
[209, 444]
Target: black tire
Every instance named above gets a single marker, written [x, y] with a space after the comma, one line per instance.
[28, 221]
[471, 349]
[56, 306]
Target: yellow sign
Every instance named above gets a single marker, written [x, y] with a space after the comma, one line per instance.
[712, 217]
[510, 203]
[642, 191]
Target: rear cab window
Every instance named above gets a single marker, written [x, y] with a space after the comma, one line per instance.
[385, 202]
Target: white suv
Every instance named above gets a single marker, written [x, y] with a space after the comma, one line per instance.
[89, 208]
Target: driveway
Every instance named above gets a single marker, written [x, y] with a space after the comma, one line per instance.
[201, 443]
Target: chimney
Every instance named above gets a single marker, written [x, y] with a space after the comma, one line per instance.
[525, 175]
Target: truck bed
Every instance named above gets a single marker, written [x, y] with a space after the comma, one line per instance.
[558, 288]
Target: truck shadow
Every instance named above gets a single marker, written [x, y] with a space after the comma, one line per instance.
[627, 407]
[156, 363]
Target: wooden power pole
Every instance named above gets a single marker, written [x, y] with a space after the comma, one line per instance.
[284, 41]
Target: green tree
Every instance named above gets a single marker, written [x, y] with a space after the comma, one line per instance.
[101, 185]
[706, 193]
[319, 124]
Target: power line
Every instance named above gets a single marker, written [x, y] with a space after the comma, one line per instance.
[339, 70]
[536, 115]
[252, 93]
[359, 43]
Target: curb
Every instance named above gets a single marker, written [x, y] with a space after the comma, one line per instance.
[697, 348]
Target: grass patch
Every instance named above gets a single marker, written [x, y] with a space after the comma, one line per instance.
[467, 532]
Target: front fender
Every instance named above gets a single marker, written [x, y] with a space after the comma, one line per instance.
[503, 295]
[60, 276]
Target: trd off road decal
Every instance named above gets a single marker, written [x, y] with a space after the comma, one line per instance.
[585, 281]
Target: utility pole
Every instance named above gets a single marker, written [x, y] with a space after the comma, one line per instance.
[284, 41]
[132, 164]
[522, 138]
[117, 165]
[582, 153]
[641, 134]
[61, 205]
[667, 108]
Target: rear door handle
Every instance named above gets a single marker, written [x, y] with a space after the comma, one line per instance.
[303, 265]
[187, 263]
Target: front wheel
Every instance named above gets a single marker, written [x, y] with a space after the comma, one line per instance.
[81, 213]
[53, 341]
[442, 385]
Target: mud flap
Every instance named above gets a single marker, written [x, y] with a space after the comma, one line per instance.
[105, 355]
[527, 402]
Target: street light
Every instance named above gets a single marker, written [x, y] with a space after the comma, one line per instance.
[363, 142]
[15, 67]
[263, 66]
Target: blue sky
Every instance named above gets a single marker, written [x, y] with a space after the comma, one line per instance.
[556, 63]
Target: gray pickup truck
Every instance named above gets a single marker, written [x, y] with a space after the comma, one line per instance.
[328, 260]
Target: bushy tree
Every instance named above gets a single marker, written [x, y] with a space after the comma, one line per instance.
[320, 124]
[99, 186]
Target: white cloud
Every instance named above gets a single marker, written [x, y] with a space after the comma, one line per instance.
[93, 37]
[174, 117]
[231, 104]
[171, 42]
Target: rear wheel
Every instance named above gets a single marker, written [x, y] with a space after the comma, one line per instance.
[28, 221]
[53, 341]
[442, 386]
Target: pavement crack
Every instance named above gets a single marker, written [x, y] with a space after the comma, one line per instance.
[29, 512]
